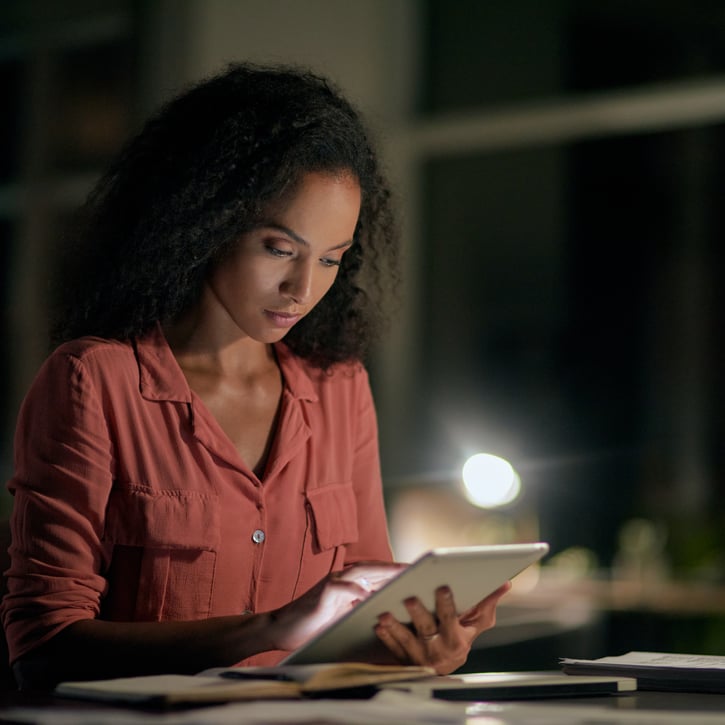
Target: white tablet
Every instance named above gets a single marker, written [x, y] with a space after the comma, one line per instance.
[472, 573]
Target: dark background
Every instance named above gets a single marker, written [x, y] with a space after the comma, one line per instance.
[571, 309]
[567, 310]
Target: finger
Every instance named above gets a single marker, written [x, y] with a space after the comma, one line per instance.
[382, 630]
[491, 599]
[425, 623]
[353, 590]
[401, 640]
[503, 589]
[374, 575]
[446, 610]
[483, 614]
[359, 589]
[359, 581]
[444, 657]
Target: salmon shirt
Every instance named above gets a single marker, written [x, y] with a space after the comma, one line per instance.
[131, 503]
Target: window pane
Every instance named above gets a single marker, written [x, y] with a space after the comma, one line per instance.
[92, 105]
[12, 117]
[478, 54]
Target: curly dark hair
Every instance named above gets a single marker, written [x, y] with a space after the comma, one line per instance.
[200, 174]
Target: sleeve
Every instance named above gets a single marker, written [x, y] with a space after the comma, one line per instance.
[373, 542]
[61, 485]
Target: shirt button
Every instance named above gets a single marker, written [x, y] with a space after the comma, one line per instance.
[258, 536]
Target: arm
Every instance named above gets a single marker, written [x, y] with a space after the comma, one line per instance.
[96, 649]
[62, 483]
[373, 543]
[64, 476]
[440, 639]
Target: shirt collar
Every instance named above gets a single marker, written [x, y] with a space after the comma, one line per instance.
[161, 377]
[296, 374]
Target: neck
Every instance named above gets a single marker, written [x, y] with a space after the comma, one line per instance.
[216, 349]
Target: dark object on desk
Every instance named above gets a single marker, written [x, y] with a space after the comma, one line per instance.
[657, 670]
[240, 673]
[514, 686]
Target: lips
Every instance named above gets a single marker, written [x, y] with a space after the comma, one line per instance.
[282, 319]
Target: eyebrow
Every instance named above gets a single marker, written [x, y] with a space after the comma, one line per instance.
[301, 240]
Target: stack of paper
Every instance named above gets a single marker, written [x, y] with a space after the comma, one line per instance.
[657, 670]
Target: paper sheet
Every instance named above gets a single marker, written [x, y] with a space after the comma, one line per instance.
[659, 659]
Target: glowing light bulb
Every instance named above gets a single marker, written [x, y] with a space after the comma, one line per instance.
[490, 481]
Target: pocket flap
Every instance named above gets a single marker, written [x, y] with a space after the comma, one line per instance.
[142, 516]
[334, 510]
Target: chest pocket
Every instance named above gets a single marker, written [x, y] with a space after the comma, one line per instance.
[331, 523]
[164, 547]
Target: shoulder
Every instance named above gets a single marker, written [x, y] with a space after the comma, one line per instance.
[90, 347]
[93, 351]
[89, 356]
[76, 379]
[299, 373]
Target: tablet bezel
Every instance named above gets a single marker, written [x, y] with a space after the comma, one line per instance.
[472, 572]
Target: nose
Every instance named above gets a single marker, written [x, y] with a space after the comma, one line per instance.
[297, 285]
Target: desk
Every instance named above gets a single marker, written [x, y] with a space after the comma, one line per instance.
[652, 708]
[591, 618]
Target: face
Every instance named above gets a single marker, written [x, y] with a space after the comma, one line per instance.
[281, 269]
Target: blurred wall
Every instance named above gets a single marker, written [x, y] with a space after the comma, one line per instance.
[558, 174]
[112, 63]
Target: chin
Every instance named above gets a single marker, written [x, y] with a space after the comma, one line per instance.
[272, 336]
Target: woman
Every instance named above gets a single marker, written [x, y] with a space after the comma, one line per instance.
[196, 473]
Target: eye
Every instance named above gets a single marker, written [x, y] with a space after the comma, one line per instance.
[277, 252]
[327, 262]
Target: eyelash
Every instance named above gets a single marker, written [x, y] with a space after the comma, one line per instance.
[277, 252]
[284, 253]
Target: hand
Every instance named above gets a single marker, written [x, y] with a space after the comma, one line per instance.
[300, 620]
[442, 641]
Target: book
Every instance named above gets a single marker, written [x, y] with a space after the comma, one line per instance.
[514, 686]
[657, 670]
[228, 684]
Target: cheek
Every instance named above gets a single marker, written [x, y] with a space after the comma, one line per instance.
[261, 279]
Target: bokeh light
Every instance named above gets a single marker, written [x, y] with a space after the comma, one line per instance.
[490, 481]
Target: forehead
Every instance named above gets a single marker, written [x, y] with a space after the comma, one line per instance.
[322, 204]
[307, 180]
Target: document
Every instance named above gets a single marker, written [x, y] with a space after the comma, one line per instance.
[487, 686]
[657, 670]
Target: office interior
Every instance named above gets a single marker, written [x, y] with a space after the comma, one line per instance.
[558, 170]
